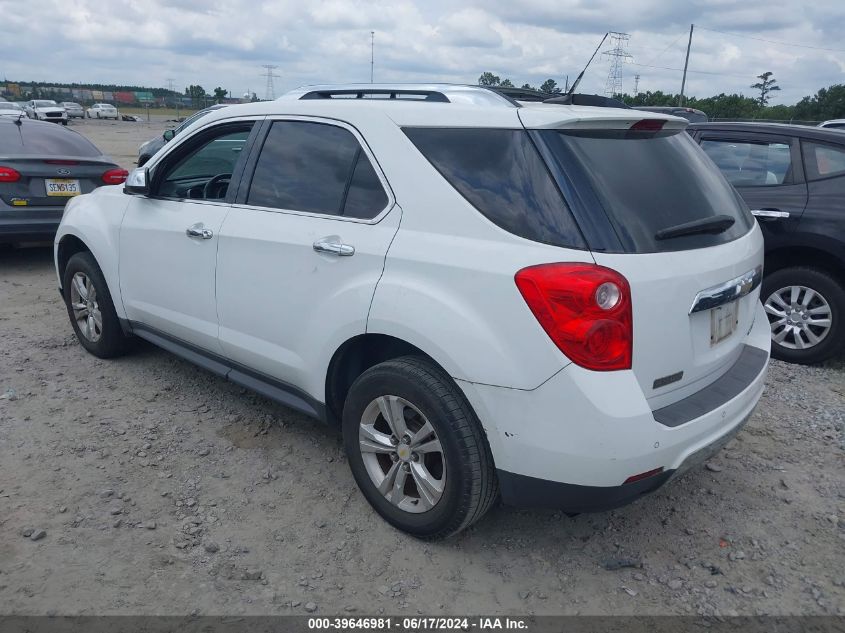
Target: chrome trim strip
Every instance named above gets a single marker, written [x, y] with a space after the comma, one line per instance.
[728, 291]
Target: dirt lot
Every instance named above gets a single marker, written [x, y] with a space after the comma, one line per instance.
[145, 485]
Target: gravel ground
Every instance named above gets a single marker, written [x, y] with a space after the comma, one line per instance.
[147, 486]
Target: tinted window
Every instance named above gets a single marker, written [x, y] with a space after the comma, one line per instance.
[646, 182]
[34, 139]
[312, 167]
[366, 197]
[502, 175]
[823, 161]
[751, 164]
[215, 155]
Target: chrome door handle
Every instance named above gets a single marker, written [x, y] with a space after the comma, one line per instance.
[769, 213]
[199, 231]
[333, 246]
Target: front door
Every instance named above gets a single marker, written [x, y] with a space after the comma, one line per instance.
[169, 240]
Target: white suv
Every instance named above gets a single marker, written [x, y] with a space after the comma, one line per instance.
[552, 304]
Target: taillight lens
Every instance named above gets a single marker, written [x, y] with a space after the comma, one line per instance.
[7, 174]
[585, 309]
[115, 176]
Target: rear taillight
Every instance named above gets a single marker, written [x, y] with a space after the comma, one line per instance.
[115, 176]
[7, 174]
[585, 309]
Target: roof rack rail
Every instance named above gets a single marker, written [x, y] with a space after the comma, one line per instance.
[389, 93]
[522, 94]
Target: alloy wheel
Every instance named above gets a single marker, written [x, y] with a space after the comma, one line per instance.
[86, 309]
[799, 316]
[402, 454]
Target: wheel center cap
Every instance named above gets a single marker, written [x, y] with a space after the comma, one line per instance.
[404, 452]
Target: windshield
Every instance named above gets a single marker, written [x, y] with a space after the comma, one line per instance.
[44, 104]
[5, 105]
[647, 182]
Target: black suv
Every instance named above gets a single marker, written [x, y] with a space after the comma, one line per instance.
[793, 179]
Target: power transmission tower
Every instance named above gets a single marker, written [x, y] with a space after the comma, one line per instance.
[618, 55]
[372, 53]
[170, 81]
[636, 84]
[270, 91]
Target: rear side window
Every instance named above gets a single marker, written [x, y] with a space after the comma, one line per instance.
[501, 174]
[39, 139]
[751, 164]
[823, 161]
[647, 182]
[318, 168]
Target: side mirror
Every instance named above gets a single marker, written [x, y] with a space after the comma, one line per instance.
[168, 135]
[138, 182]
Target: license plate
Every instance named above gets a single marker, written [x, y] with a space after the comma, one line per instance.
[723, 321]
[62, 187]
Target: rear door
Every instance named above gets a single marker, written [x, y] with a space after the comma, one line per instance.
[766, 171]
[302, 250]
[637, 185]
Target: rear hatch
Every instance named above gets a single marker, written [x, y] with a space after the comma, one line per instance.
[654, 208]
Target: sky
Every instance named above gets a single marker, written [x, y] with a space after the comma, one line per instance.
[226, 42]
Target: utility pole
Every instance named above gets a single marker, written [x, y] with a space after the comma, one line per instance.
[686, 63]
[636, 84]
[372, 53]
[618, 55]
[567, 85]
[270, 90]
[169, 81]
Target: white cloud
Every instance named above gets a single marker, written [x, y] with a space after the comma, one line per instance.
[225, 42]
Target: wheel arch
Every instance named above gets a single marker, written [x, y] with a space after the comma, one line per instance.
[67, 247]
[357, 355]
[805, 255]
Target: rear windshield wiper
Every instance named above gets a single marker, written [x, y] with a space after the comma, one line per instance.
[712, 226]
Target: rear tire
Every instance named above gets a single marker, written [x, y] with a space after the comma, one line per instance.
[817, 296]
[90, 308]
[449, 480]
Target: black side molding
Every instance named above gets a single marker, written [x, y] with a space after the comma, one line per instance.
[742, 373]
[276, 390]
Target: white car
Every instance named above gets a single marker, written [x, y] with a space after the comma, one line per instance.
[9, 109]
[102, 111]
[74, 110]
[833, 123]
[46, 110]
[556, 305]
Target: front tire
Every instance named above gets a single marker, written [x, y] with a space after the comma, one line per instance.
[417, 450]
[806, 310]
[90, 308]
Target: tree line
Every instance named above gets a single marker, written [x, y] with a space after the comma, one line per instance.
[827, 103]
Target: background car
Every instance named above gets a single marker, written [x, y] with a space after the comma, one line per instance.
[42, 166]
[690, 114]
[793, 179]
[46, 110]
[11, 110]
[102, 111]
[146, 150]
[74, 110]
[834, 124]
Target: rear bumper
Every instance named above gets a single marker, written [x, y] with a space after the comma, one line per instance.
[573, 442]
[30, 229]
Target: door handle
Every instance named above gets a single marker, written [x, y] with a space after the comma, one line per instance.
[333, 246]
[197, 230]
[769, 213]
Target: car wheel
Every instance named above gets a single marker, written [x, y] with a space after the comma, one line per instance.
[417, 449]
[806, 309]
[98, 115]
[64, 122]
[90, 308]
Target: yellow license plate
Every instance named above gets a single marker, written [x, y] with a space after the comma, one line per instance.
[62, 187]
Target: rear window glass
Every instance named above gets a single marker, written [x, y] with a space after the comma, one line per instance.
[823, 161]
[646, 182]
[35, 139]
[501, 174]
